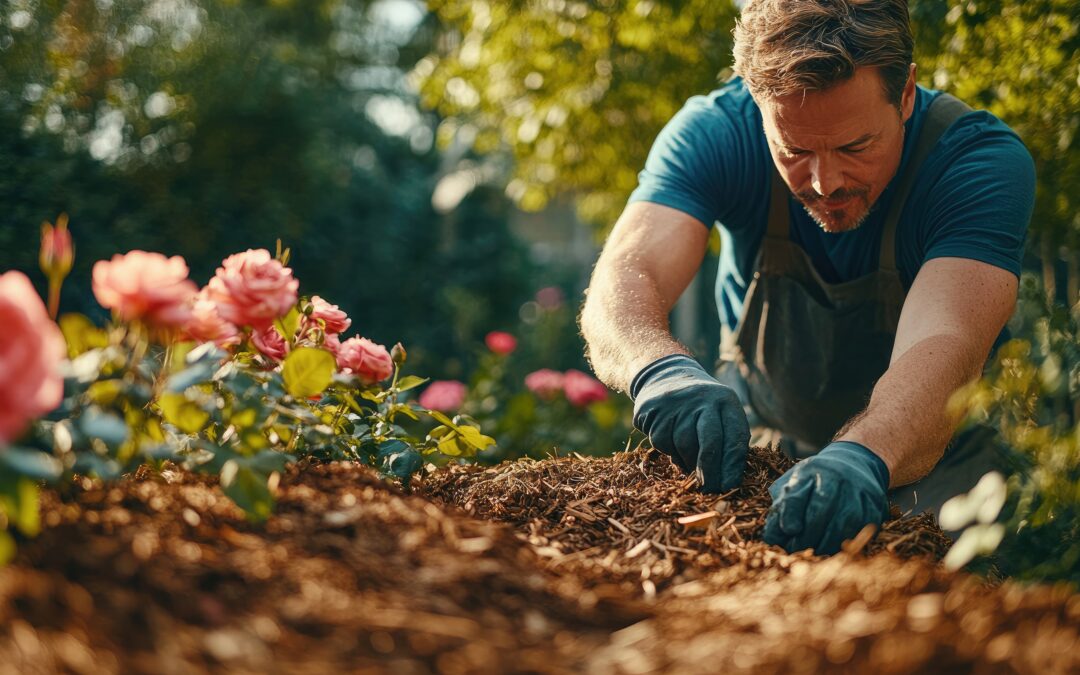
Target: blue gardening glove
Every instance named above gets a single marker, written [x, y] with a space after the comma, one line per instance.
[825, 499]
[693, 418]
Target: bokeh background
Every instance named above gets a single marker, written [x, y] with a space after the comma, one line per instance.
[432, 167]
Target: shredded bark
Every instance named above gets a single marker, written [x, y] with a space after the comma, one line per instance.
[614, 565]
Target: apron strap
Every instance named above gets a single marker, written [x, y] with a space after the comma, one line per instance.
[779, 227]
[944, 110]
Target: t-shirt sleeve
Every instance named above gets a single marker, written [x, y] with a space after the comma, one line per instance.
[980, 206]
[697, 161]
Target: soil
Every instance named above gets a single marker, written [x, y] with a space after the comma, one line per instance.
[613, 565]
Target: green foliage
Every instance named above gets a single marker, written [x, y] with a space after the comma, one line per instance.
[1031, 393]
[1020, 61]
[576, 90]
[207, 127]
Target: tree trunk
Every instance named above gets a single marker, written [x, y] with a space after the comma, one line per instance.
[1073, 282]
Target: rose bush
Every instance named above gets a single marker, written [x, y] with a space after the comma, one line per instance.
[249, 377]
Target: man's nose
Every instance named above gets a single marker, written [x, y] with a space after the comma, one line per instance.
[825, 175]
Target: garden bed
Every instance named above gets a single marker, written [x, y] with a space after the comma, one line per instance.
[562, 565]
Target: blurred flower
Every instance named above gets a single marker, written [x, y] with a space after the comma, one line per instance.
[365, 359]
[550, 297]
[253, 289]
[545, 383]
[443, 395]
[334, 320]
[270, 343]
[146, 286]
[57, 252]
[582, 389]
[31, 349]
[500, 342]
[206, 324]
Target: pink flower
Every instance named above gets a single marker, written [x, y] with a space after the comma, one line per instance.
[270, 343]
[500, 342]
[31, 349]
[253, 289]
[365, 359]
[334, 320]
[206, 324]
[57, 252]
[332, 344]
[146, 286]
[550, 297]
[582, 389]
[545, 383]
[443, 395]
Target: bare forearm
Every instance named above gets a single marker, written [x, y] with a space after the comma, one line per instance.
[625, 326]
[907, 422]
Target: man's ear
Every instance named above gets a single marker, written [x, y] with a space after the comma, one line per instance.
[907, 100]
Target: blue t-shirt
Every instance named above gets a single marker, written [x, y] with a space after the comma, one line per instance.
[972, 198]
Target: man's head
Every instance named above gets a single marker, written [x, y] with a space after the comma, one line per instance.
[835, 84]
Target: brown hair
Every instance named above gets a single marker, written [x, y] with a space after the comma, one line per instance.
[791, 46]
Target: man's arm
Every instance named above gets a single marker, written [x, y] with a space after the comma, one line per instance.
[650, 257]
[955, 309]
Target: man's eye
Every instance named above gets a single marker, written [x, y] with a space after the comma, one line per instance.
[855, 150]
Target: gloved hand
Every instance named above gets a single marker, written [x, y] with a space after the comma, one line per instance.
[828, 498]
[693, 418]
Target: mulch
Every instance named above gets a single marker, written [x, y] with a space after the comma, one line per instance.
[574, 564]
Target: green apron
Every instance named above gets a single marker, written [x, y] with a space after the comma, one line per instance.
[806, 354]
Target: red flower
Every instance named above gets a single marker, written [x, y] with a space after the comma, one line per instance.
[500, 342]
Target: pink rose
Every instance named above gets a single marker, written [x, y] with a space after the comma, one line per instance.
[365, 359]
[270, 343]
[500, 342]
[31, 349]
[582, 389]
[443, 395]
[332, 344]
[545, 383]
[334, 320]
[253, 289]
[206, 324]
[145, 286]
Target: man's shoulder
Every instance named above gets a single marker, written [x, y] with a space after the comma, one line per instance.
[730, 104]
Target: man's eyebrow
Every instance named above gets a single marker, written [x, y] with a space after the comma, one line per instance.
[858, 141]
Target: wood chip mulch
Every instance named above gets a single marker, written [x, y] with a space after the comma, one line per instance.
[614, 565]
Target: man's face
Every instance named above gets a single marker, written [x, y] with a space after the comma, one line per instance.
[838, 149]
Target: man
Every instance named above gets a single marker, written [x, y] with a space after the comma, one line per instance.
[872, 232]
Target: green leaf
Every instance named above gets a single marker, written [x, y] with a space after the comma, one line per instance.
[307, 371]
[7, 548]
[19, 500]
[81, 334]
[90, 464]
[473, 437]
[202, 371]
[269, 461]
[399, 459]
[106, 426]
[248, 490]
[182, 413]
[30, 463]
[451, 446]
[410, 382]
[287, 325]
